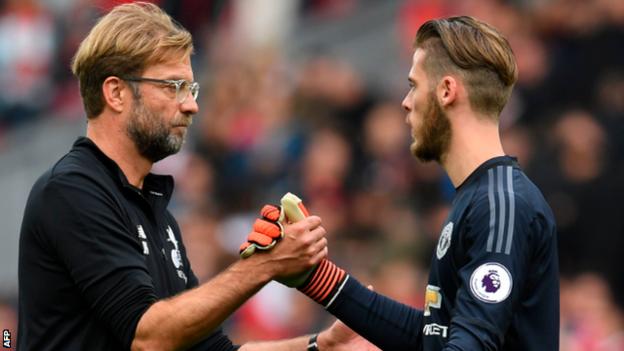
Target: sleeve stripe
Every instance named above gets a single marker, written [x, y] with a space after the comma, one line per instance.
[501, 216]
[491, 201]
[501, 213]
[337, 292]
[512, 209]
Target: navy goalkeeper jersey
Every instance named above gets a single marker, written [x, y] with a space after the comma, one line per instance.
[494, 280]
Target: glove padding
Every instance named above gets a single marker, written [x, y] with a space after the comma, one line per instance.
[266, 232]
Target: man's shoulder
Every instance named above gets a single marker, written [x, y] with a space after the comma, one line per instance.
[75, 170]
[504, 195]
[78, 163]
[509, 184]
[507, 198]
[75, 161]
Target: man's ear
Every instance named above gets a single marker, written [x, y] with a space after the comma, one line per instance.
[447, 91]
[115, 93]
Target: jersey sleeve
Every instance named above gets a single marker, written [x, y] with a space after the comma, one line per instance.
[85, 229]
[386, 323]
[492, 259]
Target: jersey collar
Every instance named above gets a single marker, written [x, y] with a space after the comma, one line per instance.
[153, 184]
[491, 163]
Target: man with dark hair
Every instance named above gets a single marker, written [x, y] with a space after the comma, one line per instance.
[493, 283]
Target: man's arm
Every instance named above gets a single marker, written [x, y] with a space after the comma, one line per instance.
[387, 323]
[493, 277]
[337, 338]
[296, 344]
[187, 318]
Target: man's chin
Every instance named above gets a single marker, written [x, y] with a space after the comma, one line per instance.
[179, 134]
[418, 152]
[424, 155]
[177, 146]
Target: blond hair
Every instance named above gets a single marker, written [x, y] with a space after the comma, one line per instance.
[476, 52]
[123, 43]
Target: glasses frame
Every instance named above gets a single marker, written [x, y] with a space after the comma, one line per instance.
[193, 86]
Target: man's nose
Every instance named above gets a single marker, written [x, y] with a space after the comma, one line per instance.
[189, 106]
[405, 104]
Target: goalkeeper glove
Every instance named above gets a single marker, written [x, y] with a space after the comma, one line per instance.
[322, 282]
[267, 231]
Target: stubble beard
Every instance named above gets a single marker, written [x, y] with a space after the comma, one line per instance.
[432, 139]
[150, 134]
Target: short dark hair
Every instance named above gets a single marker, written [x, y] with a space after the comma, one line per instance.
[475, 51]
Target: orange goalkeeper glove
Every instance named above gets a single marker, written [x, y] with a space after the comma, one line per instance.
[323, 281]
[269, 229]
[266, 232]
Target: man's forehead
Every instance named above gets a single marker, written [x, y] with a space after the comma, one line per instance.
[174, 66]
[417, 62]
[418, 57]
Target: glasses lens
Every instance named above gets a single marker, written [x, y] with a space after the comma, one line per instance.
[195, 90]
[185, 88]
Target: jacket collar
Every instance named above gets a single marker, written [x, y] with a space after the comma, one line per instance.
[153, 184]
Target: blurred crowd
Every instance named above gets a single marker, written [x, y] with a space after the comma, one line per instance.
[315, 127]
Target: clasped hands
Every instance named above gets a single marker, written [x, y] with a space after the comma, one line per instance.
[304, 239]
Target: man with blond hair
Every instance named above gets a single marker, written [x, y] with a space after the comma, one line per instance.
[493, 282]
[102, 265]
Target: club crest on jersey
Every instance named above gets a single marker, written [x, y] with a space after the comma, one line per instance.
[491, 282]
[176, 256]
[444, 242]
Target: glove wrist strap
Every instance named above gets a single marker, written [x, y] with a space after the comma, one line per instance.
[325, 283]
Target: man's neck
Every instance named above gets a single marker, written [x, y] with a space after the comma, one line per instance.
[117, 146]
[473, 142]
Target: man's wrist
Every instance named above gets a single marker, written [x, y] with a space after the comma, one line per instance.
[324, 341]
[253, 268]
[313, 343]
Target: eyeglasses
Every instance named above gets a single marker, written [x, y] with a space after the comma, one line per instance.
[183, 88]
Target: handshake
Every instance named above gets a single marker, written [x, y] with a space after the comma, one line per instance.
[317, 277]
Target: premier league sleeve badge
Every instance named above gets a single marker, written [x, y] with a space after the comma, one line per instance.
[491, 282]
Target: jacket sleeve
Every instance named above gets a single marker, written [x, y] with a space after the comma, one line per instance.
[85, 229]
[492, 269]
